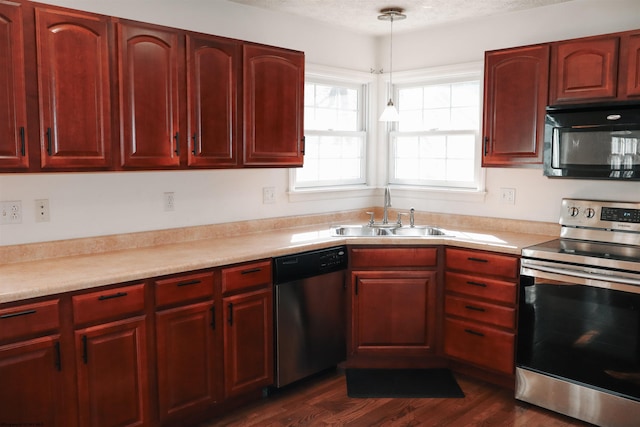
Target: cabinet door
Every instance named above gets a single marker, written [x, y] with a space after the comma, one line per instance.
[187, 359]
[248, 341]
[149, 63]
[515, 98]
[584, 70]
[13, 109]
[31, 382]
[112, 374]
[74, 89]
[394, 312]
[273, 106]
[213, 71]
[630, 66]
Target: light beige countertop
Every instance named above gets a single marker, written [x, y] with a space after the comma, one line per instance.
[36, 275]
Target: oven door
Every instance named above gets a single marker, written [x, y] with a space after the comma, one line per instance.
[579, 335]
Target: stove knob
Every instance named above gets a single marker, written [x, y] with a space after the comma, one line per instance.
[589, 213]
[573, 211]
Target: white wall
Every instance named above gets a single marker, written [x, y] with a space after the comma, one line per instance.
[90, 204]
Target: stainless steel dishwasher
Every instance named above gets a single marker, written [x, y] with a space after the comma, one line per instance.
[309, 304]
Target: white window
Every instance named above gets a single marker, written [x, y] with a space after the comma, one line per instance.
[436, 142]
[335, 134]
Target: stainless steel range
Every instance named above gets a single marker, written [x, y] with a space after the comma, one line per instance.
[579, 316]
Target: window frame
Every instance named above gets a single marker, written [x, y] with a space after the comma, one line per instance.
[330, 75]
[439, 75]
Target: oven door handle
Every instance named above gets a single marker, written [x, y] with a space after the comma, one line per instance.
[591, 279]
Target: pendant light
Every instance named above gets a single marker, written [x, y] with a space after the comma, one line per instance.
[390, 113]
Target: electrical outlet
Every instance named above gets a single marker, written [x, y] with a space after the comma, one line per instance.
[268, 195]
[11, 212]
[169, 201]
[508, 196]
[42, 210]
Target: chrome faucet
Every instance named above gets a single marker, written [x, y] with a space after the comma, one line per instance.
[387, 205]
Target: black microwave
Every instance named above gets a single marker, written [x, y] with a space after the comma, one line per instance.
[593, 141]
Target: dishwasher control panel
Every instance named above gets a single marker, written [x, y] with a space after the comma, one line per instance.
[308, 264]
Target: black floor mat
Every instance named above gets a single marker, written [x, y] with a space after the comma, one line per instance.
[402, 383]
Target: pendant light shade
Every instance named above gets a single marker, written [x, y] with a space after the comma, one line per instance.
[390, 113]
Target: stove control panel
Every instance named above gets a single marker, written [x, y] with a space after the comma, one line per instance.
[601, 214]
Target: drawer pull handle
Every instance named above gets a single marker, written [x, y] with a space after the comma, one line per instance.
[58, 358]
[85, 353]
[230, 318]
[117, 295]
[470, 307]
[482, 285]
[250, 271]
[190, 282]
[477, 259]
[19, 313]
[472, 332]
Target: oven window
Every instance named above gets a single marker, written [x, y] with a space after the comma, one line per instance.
[581, 334]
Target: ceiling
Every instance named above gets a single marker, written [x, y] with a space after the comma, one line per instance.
[361, 15]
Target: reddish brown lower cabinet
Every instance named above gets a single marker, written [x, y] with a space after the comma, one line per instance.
[34, 368]
[394, 305]
[113, 373]
[31, 383]
[394, 312]
[188, 350]
[187, 359]
[248, 341]
[480, 311]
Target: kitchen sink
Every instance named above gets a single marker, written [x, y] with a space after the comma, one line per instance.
[391, 230]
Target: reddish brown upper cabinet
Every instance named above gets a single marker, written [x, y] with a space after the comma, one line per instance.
[150, 60]
[273, 106]
[13, 110]
[584, 70]
[74, 89]
[515, 98]
[630, 65]
[213, 76]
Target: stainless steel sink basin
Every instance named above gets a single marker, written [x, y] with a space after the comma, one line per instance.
[386, 230]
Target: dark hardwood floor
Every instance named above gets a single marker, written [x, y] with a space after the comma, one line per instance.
[323, 401]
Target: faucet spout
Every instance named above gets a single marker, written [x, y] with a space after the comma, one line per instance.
[386, 205]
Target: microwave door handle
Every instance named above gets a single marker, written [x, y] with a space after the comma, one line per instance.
[597, 280]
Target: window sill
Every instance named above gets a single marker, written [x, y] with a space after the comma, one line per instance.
[449, 194]
[331, 193]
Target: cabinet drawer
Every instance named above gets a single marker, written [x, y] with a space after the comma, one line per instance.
[246, 276]
[479, 262]
[29, 319]
[491, 289]
[183, 288]
[480, 311]
[108, 304]
[394, 257]
[480, 345]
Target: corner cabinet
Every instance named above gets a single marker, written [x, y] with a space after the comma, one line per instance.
[515, 98]
[273, 106]
[74, 89]
[14, 150]
[148, 70]
[394, 306]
